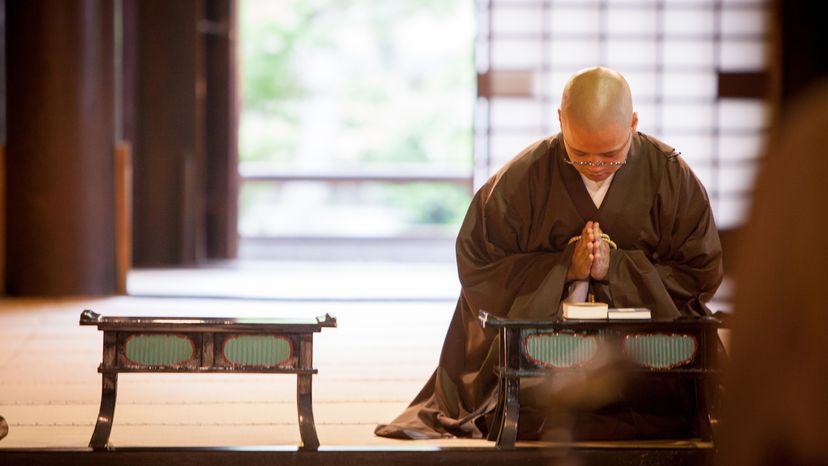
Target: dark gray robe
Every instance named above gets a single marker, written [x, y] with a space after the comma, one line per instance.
[513, 257]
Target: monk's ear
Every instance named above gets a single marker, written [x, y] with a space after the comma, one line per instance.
[634, 121]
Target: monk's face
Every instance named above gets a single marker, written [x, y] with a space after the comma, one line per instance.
[597, 154]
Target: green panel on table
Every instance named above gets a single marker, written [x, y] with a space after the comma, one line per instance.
[660, 351]
[257, 350]
[560, 349]
[159, 349]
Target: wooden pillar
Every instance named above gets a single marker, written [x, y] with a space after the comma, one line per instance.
[169, 156]
[3, 149]
[220, 32]
[2, 220]
[60, 207]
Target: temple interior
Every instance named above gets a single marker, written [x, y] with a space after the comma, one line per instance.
[251, 159]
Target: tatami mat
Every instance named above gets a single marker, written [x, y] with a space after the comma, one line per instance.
[304, 281]
[370, 367]
[385, 347]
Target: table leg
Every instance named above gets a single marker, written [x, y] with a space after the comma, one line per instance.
[497, 420]
[703, 408]
[304, 402]
[304, 399]
[103, 426]
[509, 418]
[509, 356]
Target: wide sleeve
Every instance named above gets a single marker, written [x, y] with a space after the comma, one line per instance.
[684, 268]
[502, 268]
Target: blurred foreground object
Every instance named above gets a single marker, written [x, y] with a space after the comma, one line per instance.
[777, 401]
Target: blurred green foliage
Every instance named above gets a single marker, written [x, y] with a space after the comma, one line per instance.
[360, 85]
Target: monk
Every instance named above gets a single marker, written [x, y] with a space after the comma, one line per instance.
[597, 209]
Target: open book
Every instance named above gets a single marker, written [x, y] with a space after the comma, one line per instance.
[600, 311]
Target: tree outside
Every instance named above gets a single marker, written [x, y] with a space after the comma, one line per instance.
[356, 87]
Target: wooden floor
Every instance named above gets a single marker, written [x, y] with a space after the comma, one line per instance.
[370, 367]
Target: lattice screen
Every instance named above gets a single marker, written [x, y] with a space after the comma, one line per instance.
[671, 52]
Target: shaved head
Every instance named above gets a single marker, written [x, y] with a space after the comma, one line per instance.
[597, 120]
[595, 99]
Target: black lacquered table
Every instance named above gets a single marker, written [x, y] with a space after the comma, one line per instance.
[684, 347]
[206, 345]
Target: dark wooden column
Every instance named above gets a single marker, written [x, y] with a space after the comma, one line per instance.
[60, 217]
[169, 157]
[181, 106]
[220, 31]
[3, 148]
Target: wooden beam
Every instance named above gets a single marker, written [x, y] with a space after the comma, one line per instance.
[506, 83]
[750, 85]
[407, 454]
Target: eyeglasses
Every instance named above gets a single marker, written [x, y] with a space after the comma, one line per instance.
[599, 163]
[590, 163]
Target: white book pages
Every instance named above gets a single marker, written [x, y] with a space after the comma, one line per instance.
[584, 311]
[629, 313]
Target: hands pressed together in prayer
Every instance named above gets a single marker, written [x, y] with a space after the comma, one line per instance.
[591, 256]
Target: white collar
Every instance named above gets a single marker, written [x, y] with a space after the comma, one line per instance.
[597, 189]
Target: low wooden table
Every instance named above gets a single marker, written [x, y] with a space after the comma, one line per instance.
[199, 345]
[683, 347]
